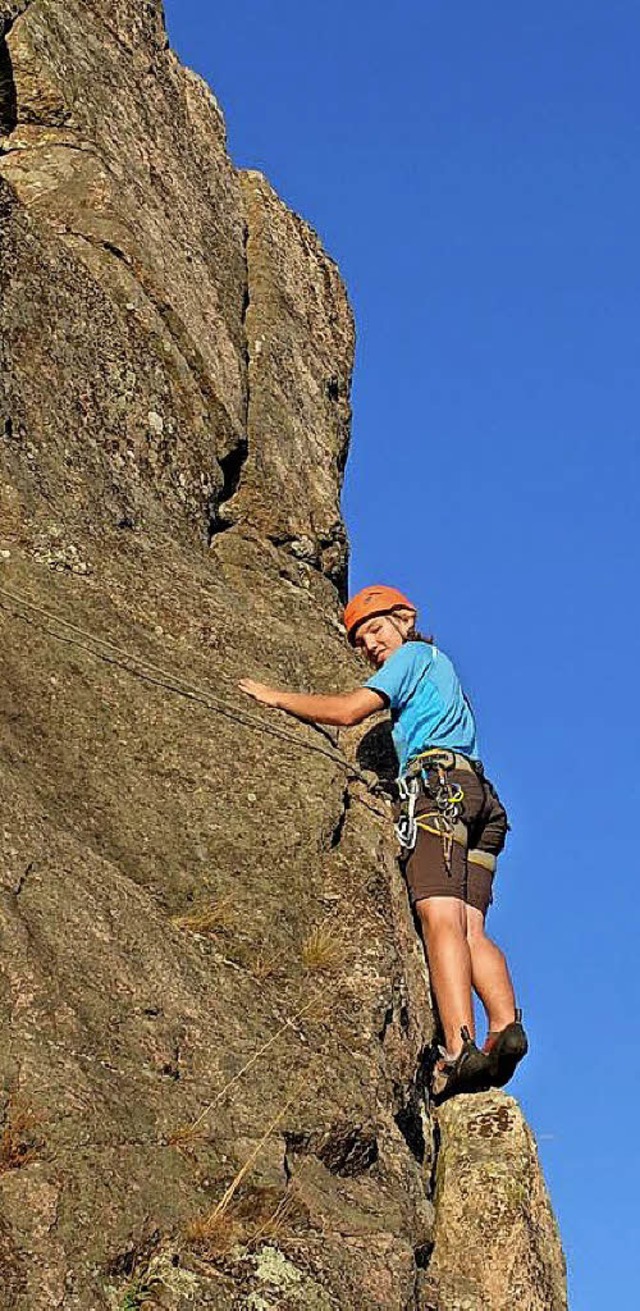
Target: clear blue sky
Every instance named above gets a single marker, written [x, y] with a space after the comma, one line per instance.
[475, 171]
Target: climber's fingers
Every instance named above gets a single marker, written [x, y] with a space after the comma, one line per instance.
[259, 691]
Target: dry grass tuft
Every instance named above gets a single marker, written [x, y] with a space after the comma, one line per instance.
[208, 920]
[266, 965]
[324, 950]
[223, 1227]
[287, 1215]
[20, 1141]
[186, 1136]
[215, 1234]
[257, 1215]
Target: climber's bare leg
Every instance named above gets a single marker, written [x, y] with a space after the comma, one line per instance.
[444, 926]
[489, 973]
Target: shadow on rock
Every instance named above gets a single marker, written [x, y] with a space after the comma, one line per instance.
[377, 753]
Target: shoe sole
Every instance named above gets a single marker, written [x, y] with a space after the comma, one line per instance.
[474, 1076]
[507, 1053]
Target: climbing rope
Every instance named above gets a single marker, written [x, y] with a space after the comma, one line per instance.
[149, 672]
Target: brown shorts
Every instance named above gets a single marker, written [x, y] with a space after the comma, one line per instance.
[468, 872]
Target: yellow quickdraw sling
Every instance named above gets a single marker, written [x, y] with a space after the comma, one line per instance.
[427, 774]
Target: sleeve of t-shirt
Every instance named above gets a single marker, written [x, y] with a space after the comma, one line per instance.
[398, 677]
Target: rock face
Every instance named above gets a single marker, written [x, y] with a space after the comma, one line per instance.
[215, 1011]
[495, 1240]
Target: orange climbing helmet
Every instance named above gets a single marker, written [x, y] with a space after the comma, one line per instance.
[376, 600]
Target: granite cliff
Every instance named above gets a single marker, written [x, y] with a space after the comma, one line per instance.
[215, 1015]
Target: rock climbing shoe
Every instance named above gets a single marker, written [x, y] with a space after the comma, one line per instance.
[465, 1073]
[504, 1050]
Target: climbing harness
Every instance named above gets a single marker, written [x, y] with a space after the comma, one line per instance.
[427, 775]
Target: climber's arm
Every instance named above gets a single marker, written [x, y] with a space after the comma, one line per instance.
[343, 709]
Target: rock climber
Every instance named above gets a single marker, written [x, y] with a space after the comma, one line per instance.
[451, 827]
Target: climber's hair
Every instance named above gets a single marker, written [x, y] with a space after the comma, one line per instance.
[415, 636]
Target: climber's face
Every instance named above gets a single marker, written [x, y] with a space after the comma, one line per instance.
[379, 637]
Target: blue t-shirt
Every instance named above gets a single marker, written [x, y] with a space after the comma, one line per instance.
[428, 706]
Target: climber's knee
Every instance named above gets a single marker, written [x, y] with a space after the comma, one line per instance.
[442, 913]
[475, 924]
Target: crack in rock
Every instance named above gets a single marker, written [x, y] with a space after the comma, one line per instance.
[8, 95]
[345, 1150]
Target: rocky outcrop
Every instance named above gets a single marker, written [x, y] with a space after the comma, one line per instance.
[215, 1011]
[495, 1240]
